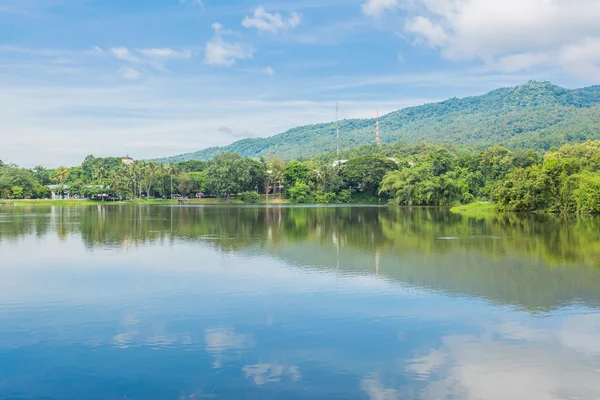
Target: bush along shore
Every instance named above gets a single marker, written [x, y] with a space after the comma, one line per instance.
[565, 180]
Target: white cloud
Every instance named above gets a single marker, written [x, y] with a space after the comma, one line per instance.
[123, 53]
[268, 71]
[375, 8]
[271, 22]
[507, 35]
[96, 50]
[220, 52]
[165, 53]
[433, 35]
[193, 2]
[130, 74]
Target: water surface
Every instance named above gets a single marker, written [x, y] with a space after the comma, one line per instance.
[158, 302]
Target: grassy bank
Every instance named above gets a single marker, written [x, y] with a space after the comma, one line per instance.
[78, 203]
[478, 208]
[219, 201]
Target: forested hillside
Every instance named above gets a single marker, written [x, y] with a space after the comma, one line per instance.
[537, 115]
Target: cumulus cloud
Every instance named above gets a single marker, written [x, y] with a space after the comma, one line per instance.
[507, 35]
[271, 22]
[224, 53]
[375, 8]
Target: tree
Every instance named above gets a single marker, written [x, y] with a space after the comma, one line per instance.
[11, 176]
[62, 173]
[151, 171]
[185, 183]
[17, 192]
[366, 173]
[171, 169]
[6, 193]
[192, 166]
[299, 193]
[296, 172]
[229, 174]
[275, 168]
[1, 164]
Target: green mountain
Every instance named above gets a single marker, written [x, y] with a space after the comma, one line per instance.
[536, 115]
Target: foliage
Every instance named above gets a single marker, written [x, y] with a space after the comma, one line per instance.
[11, 177]
[295, 172]
[250, 197]
[17, 192]
[186, 183]
[365, 173]
[299, 193]
[566, 181]
[231, 174]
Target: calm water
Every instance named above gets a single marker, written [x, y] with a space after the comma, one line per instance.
[124, 302]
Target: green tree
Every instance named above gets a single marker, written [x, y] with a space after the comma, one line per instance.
[299, 193]
[17, 192]
[295, 172]
[185, 183]
[366, 173]
[228, 174]
[171, 170]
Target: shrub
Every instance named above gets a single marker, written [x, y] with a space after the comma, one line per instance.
[250, 197]
[299, 193]
[326, 198]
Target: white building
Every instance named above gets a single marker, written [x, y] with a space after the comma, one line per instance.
[127, 160]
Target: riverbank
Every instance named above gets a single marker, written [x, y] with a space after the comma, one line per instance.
[79, 203]
[479, 208]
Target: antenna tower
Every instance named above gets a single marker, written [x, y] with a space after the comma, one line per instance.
[337, 128]
[377, 133]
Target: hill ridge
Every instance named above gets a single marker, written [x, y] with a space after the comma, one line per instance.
[539, 114]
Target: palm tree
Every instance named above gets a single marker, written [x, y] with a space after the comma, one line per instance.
[171, 169]
[99, 173]
[62, 173]
[151, 170]
[277, 167]
[161, 172]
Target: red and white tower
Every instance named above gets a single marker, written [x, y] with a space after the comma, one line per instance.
[377, 136]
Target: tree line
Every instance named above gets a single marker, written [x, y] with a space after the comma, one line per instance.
[561, 180]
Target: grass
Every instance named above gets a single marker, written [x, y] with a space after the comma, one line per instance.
[78, 203]
[477, 208]
[219, 201]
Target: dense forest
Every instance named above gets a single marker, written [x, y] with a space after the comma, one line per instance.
[537, 115]
[422, 174]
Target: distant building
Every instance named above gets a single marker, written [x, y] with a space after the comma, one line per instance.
[339, 163]
[127, 160]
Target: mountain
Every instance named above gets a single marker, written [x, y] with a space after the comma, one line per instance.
[536, 115]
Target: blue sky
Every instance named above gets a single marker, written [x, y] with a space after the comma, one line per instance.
[161, 77]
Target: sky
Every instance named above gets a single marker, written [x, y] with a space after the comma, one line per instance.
[155, 78]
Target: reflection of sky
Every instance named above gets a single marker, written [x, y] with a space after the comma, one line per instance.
[166, 321]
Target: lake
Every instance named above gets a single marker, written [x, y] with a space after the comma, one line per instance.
[191, 302]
